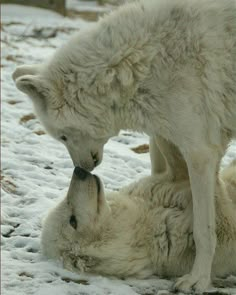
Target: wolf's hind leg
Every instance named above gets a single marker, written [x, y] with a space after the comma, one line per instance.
[158, 162]
[166, 157]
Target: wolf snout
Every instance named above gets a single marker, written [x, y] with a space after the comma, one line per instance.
[81, 173]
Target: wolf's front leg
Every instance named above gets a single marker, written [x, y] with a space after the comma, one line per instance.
[202, 167]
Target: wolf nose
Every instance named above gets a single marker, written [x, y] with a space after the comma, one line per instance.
[81, 173]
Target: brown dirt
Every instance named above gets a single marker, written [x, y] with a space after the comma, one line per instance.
[141, 149]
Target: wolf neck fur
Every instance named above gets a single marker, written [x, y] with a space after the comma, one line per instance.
[107, 46]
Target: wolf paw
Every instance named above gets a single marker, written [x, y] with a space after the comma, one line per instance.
[191, 282]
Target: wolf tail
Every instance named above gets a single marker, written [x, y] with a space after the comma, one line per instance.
[228, 175]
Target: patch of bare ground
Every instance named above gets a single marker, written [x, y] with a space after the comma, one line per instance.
[26, 118]
[91, 16]
[79, 281]
[26, 274]
[7, 184]
[39, 132]
[13, 102]
[13, 58]
[141, 149]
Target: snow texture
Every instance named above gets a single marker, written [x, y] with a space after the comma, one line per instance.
[36, 170]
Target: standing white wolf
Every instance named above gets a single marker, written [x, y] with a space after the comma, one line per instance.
[164, 67]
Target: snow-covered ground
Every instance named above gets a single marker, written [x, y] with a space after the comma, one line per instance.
[36, 170]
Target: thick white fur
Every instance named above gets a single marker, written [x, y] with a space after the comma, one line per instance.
[144, 229]
[164, 67]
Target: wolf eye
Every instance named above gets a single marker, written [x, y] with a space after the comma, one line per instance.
[73, 221]
[63, 137]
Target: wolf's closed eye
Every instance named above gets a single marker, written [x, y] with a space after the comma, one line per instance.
[73, 221]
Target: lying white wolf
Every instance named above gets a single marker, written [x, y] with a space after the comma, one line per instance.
[164, 67]
[142, 230]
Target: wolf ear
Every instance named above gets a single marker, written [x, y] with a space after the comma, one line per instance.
[26, 70]
[35, 87]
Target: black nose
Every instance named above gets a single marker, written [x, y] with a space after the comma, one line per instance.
[81, 173]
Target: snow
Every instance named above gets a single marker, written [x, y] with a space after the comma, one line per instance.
[87, 6]
[36, 170]
[11, 12]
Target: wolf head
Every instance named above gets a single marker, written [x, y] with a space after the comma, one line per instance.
[80, 120]
[76, 222]
[92, 234]
[83, 94]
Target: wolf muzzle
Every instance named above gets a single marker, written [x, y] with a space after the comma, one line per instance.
[81, 173]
